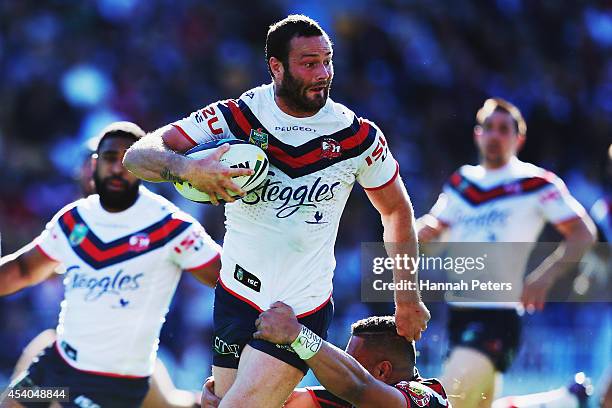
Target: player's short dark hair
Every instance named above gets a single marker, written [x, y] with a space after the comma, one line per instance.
[119, 129]
[501, 105]
[380, 332]
[282, 32]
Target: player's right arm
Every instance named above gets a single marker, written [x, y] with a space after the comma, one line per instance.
[432, 225]
[26, 267]
[156, 157]
[335, 369]
[429, 228]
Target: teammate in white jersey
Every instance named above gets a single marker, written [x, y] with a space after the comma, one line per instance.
[280, 238]
[123, 251]
[501, 200]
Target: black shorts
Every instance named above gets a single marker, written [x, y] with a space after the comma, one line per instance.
[494, 332]
[234, 325]
[84, 389]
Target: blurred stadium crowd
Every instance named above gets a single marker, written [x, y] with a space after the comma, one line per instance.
[419, 69]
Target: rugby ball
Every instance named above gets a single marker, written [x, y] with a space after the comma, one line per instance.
[240, 155]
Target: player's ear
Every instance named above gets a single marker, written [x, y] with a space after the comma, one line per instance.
[383, 370]
[277, 68]
[520, 142]
[93, 162]
[477, 132]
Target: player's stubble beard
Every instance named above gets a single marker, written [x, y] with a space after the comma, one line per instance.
[116, 200]
[295, 94]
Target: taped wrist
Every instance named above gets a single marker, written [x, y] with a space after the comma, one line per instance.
[307, 343]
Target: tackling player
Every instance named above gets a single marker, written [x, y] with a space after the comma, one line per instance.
[279, 243]
[501, 200]
[377, 369]
[123, 251]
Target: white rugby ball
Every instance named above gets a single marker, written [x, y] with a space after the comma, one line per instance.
[240, 155]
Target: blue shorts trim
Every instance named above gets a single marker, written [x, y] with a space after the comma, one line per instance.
[234, 325]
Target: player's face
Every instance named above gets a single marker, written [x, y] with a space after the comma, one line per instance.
[118, 188]
[497, 139]
[307, 78]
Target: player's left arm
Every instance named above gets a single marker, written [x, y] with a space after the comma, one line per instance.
[336, 370]
[579, 234]
[395, 208]
[378, 173]
[208, 274]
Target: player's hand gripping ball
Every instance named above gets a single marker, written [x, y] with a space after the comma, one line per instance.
[240, 155]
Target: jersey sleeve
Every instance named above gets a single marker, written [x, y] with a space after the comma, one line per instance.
[51, 240]
[377, 167]
[194, 248]
[204, 125]
[556, 203]
[424, 393]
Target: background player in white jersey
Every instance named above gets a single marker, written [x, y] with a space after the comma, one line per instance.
[123, 250]
[501, 200]
[280, 238]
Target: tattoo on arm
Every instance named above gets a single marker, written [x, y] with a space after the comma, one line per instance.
[167, 175]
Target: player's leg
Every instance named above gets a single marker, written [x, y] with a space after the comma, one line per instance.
[234, 325]
[262, 381]
[469, 378]
[224, 378]
[483, 343]
[34, 348]
[163, 393]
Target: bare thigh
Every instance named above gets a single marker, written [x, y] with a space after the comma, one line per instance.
[469, 378]
[262, 381]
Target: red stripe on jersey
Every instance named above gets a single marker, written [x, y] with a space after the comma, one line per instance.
[231, 292]
[307, 158]
[314, 397]
[315, 155]
[205, 264]
[241, 120]
[318, 400]
[69, 220]
[391, 180]
[316, 309]
[182, 132]
[42, 251]
[100, 255]
[479, 196]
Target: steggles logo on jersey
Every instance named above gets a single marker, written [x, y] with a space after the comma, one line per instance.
[292, 199]
[78, 234]
[95, 287]
[259, 138]
[139, 242]
[491, 218]
[330, 149]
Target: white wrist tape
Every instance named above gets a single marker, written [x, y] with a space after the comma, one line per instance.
[307, 343]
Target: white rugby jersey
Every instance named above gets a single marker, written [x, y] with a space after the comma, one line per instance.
[121, 270]
[509, 204]
[279, 242]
